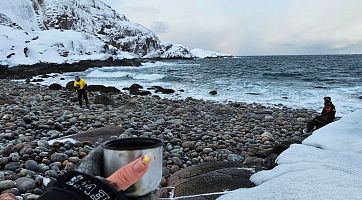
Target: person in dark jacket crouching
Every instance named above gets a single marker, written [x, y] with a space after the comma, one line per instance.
[86, 183]
[327, 116]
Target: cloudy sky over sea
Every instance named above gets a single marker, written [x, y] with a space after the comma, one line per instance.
[252, 27]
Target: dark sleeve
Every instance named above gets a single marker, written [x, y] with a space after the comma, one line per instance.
[79, 186]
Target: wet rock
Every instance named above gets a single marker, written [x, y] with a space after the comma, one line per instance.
[70, 85]
[159, 89]
[213, 92]
[104, 99]
[55, 86]
[102, 89]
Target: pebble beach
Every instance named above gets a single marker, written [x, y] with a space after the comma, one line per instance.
[193, 131]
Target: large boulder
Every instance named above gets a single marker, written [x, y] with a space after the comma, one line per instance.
[94, 135]
[111, 89]
[102, 89]
[210, 177]
[104, 99]
[135, 90]
[96, 88]
[55, 86]
[70, 85]
[163, 90]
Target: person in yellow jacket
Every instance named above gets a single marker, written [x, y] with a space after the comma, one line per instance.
[81, 86]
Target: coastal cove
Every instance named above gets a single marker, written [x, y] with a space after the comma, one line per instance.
[180, 100]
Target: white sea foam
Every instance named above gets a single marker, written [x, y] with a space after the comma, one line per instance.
[104, 74]
[98, 73]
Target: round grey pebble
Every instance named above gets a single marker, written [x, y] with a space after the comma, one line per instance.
[31, 197]
[58, 157]
[4, 160]
[8, 150]
[234, 157]
[27, 119]
[24, 184]
[31, 165]
[51, 173]
[207, 150]
[7, 184]
[174, 168]
[12, 166]
[13, 191]
[177, 161]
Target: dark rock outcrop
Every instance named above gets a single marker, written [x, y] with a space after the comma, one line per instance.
[104, 99]
[55, 86]
[163, 90]
[70, 85]
[28, 71]
[213, 92]
[102, 89]
[135, 90]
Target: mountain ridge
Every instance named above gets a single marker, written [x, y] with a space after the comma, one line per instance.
[76, 30]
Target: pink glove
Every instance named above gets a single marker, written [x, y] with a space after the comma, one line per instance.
[131, 173]
[7, 196]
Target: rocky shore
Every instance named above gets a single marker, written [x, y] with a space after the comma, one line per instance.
[193, 131]
[28, 71]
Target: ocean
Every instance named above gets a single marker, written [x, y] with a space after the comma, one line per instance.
[293, 81]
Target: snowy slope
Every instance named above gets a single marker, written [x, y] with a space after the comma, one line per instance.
[51, 46]
[202, 53]
[94, 16]
[20, 12]
[327, 166]
[72, 30]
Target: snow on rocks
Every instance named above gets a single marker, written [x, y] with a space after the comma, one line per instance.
[68, 31]
[326, 166]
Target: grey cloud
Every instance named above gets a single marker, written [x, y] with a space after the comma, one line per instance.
[159, 27]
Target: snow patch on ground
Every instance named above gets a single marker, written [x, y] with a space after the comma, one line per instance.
[327, 166]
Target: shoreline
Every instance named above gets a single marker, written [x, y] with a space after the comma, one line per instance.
[194, 131]
[29, 71]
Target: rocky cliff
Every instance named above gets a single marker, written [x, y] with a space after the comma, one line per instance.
[76, 30]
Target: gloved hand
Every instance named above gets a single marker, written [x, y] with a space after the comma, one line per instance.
[7, 196]
[123, 177]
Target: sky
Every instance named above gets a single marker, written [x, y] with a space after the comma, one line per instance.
[252, 27]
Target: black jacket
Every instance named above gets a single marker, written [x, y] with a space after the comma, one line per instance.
[328, 112]
[79, 186]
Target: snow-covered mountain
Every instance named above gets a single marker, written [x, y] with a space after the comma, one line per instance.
[34, 31]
